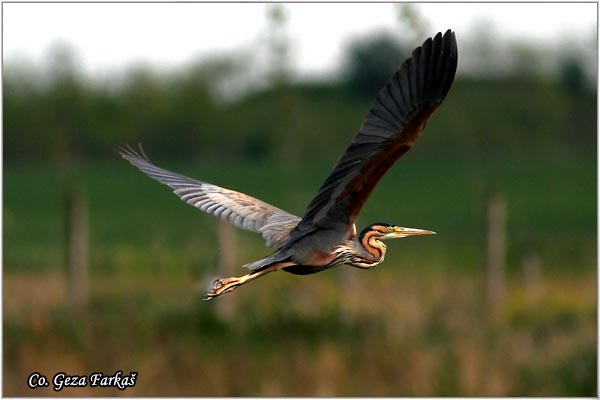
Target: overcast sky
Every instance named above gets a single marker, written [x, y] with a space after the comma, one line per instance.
[109, 36]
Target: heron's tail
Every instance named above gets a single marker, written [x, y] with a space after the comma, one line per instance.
[275, 258]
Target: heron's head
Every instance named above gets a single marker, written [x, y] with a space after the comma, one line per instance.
[385, 231]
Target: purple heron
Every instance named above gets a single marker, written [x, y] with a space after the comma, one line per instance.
[326, 235]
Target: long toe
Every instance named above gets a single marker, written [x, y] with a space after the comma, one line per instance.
[222, 286]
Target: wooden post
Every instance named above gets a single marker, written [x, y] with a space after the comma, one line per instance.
[495, 250]
[227, 262]
[77, 235]
[532, 274]
[348, 295]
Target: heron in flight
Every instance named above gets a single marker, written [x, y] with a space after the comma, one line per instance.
[326, 235]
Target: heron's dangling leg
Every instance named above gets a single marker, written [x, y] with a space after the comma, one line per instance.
[226, 285]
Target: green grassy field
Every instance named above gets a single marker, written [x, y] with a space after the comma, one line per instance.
[416, 325]
[551, 208]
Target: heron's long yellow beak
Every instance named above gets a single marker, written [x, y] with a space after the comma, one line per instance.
[400, 232]
[412, 231]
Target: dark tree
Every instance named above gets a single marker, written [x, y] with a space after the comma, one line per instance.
[371, 62]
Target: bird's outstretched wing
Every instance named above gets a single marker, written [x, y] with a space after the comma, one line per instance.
[233, 207]
[396, 119]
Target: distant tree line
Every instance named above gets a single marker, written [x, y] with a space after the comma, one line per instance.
[55, 115]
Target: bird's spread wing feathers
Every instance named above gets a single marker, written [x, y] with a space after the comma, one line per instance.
[233, 207]
[396, 119]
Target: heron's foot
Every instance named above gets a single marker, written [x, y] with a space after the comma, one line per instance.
[222, 286]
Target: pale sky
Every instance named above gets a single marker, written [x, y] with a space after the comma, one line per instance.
[109, 36]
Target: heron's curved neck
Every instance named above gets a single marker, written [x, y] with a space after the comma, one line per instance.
[374, 248]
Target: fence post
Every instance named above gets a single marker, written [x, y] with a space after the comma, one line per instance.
[495, 250]
[348, 285]
[532, 274]
[77, 235]
[227, 239]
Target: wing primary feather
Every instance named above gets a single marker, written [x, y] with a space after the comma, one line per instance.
[425, 71]
[399, 109]
[396, 87]
[395, 120]
[405, 88]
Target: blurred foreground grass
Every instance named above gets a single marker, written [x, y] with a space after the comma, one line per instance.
[404, 337]
[416, 325]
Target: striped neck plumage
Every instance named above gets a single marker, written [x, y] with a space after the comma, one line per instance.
[370, 244]
[364, 251]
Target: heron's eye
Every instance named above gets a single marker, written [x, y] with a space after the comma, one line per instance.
[390, 229]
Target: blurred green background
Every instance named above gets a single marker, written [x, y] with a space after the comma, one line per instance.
[430, 321]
